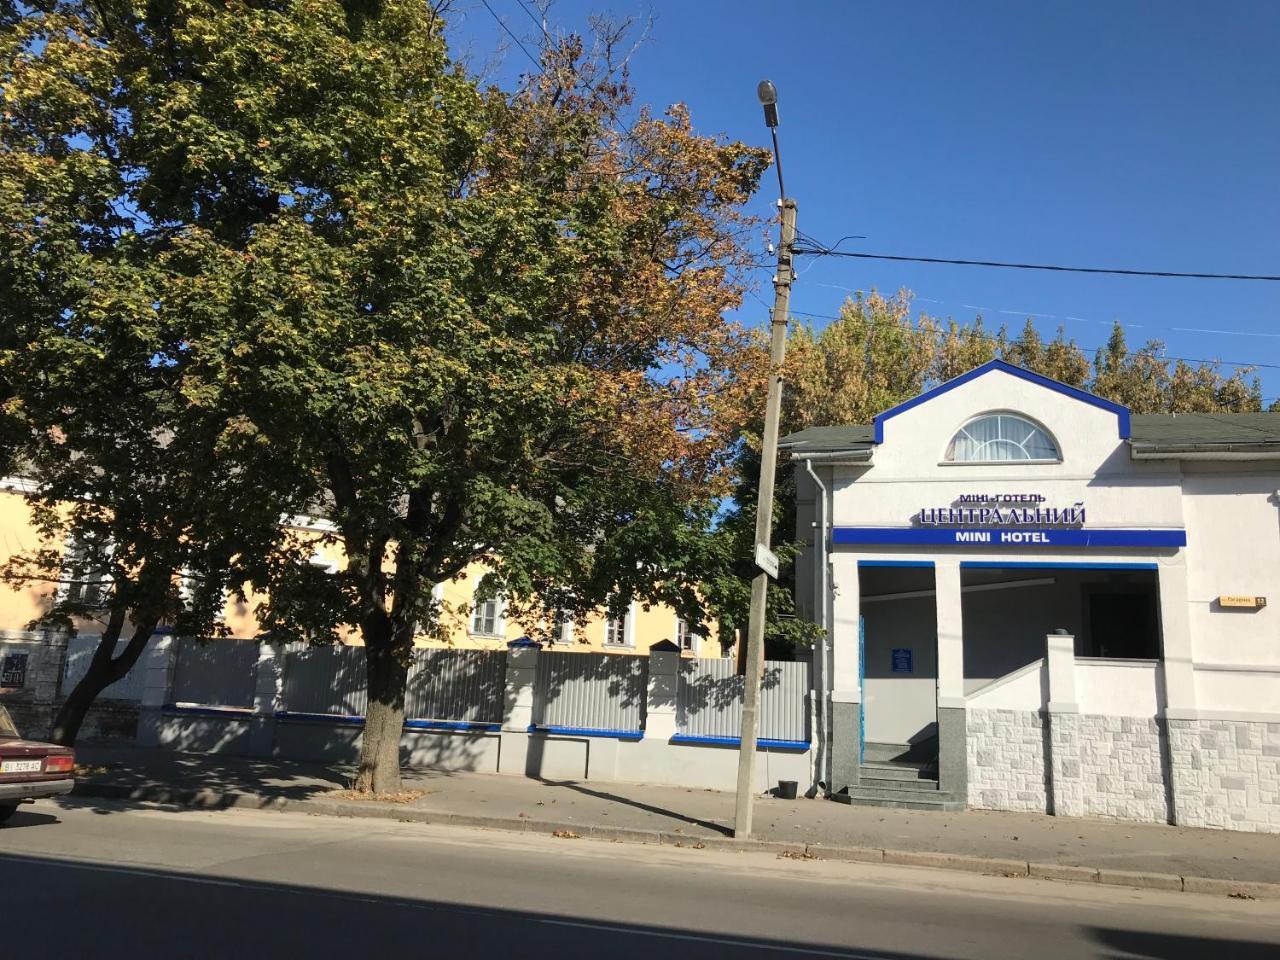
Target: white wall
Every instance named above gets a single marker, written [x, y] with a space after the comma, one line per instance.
[1025, 690]
[1119, 688]
[1233, 547]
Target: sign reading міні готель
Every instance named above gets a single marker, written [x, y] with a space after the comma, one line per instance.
[1001, 510]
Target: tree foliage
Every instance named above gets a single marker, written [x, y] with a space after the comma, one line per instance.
[461, 323]
[877, 355]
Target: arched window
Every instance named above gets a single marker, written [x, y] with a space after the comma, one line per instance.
[1001, 438]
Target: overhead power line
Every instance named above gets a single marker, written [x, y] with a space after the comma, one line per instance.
[820, 251]
[515, 39]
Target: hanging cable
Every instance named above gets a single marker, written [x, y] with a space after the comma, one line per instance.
[1115, 271]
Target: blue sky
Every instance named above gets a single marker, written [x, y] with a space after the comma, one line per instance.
[1139, 135]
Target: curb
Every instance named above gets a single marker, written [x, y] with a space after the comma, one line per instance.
[205, 799]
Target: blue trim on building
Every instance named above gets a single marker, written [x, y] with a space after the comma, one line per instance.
[763, 743]
[895, 563]
[985, 537]
[1048, 565]
[1121, 412]
[588, 732]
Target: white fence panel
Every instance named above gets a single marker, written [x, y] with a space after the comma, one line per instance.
[591, 691]
[461, 685]
[709, 703]
[215, 673]
[80, 650]
[329, 680]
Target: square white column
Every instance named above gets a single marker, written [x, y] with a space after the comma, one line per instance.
[946, 574]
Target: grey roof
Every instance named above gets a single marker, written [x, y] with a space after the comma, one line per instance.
[1149, 431]
[1165, 430]
[853, 437]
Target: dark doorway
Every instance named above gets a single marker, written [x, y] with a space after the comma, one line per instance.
[1122, 625]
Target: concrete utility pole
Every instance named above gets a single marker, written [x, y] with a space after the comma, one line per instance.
[764, 508]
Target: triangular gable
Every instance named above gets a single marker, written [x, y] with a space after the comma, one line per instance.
[1121, 411]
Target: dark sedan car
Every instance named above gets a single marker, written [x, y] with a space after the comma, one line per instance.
[29, 769]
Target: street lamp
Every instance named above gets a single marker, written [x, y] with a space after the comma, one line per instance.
[767, 94]
[765, 560]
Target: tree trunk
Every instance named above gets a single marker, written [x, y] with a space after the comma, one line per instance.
[104, 669]
[388, 674]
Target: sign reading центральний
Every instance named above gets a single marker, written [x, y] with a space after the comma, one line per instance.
[1007, 520]
[1001, 510]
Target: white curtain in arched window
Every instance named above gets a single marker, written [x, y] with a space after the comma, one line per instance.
[1001, 437]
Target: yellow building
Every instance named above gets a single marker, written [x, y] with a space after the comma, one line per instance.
[467, 624]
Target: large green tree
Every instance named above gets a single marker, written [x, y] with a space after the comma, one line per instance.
[109, 410]
[460, 323]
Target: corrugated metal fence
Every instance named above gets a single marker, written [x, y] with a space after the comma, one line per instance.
[443, 684]
[328, 680]
[80, 650]
[709, 702]
[457, 685]
[216, 673]
[590, 691]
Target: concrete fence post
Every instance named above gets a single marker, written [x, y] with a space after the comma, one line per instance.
[517, 710]
[663, 690]
[522, 673]
[157, 683]
[1062, 714]
[267, 696]
[49, 673]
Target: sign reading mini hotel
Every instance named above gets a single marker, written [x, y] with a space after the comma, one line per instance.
[1007, 520]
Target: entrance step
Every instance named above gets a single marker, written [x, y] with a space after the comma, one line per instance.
[870, 781]
[875, 796]
[902, 772]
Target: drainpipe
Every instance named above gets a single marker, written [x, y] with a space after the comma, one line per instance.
[822, 683]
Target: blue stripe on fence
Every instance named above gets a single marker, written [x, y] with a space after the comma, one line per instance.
[472, 725]
[736, 741]
[230, 713]
[319, 717]
[588, 732]
[408, 724]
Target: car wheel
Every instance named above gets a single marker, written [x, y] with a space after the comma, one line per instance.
[7, 810]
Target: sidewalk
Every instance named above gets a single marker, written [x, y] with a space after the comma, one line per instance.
[1127, 854]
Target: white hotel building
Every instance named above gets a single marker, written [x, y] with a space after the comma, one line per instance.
[1035, 601]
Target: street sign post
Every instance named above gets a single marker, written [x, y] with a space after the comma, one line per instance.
[767, 560]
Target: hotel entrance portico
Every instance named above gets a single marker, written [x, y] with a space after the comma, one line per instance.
[1028, 596]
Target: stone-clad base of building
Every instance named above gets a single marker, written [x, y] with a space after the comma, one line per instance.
[1202, 773]
[1226, 773]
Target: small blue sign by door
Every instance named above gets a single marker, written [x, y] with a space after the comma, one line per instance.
[902, 660]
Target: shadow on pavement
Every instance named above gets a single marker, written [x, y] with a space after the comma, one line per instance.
[577, 787]
[194, 915]
[1133, 945]
[26, 817]
[204, 780]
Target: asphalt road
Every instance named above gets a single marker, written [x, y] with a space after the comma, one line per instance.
[81, 879]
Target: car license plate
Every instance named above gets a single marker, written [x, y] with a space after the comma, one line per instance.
[21, 766]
